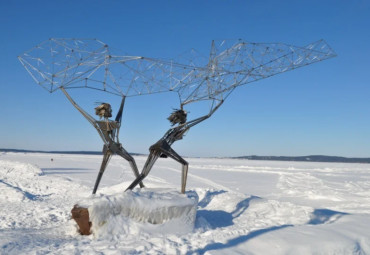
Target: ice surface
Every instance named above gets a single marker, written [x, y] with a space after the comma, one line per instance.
[245, 207]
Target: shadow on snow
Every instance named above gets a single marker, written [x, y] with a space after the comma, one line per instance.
[26, 194]
[209, 196]
[218, 218]
[214, 219]
[238, 240]
[325, 216]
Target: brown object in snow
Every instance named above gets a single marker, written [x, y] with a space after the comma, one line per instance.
[81, 216]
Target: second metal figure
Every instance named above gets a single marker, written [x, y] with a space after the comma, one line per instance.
[162, 148]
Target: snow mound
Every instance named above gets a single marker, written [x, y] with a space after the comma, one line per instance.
[149, 210]
[11, 169]
[31, 199]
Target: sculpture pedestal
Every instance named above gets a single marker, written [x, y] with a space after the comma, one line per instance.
[81, 216]
[150, 210]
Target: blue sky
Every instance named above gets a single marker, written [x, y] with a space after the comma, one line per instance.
[320, 109]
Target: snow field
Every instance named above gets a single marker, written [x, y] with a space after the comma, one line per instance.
[245, 207]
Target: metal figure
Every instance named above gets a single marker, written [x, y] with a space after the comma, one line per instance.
[162, 148]
[109, 133]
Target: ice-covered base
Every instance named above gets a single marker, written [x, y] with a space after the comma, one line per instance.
[159, 210]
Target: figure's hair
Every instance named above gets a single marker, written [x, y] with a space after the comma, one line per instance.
[177, 116]
[104, 110]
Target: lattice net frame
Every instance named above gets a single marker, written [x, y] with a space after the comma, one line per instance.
[233, 64]
[90, 63]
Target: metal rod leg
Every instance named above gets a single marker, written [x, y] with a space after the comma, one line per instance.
[136, 172]
[107, 156]
[124, 154]
[152, 158]
[184, 177]
[185, 166]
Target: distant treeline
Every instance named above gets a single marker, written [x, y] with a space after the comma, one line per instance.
[312, 158]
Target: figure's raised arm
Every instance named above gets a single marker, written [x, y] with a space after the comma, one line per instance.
[82, 111]
[194, 122]
[120, 111]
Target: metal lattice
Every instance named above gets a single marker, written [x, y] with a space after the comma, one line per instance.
[90, 63]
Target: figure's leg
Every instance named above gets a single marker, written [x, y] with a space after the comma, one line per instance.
[185, 166]
[124, 154]
[184, 177]
[106, 158]
[152, 158]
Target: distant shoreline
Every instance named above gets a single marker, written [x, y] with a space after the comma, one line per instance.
[311, 158]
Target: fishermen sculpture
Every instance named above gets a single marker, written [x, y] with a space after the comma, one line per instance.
[90, 64]
[109, 133]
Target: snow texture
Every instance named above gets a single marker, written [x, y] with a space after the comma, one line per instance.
[243, 207]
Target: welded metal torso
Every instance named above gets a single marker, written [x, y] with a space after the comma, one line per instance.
[109, 129]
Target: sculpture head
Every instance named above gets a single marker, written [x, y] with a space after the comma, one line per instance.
[104, 110]
[177, 116]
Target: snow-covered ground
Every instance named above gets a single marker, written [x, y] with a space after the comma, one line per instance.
[245, 207]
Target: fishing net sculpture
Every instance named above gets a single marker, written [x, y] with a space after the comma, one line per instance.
[62, 64]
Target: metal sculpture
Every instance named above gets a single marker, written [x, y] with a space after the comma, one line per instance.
[73, 63]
